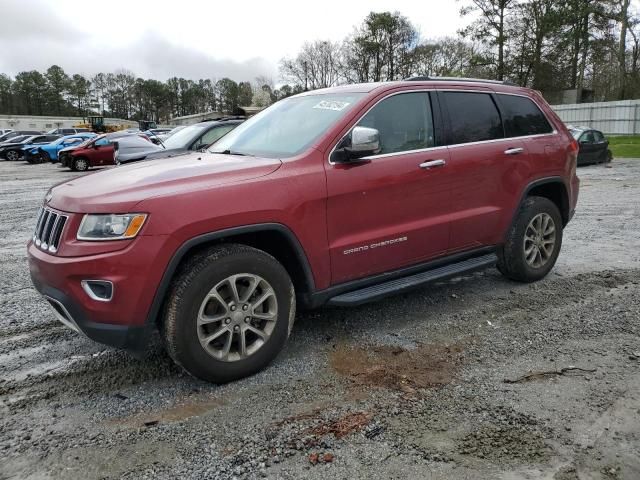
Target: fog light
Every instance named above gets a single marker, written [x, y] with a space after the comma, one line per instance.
[100, 290]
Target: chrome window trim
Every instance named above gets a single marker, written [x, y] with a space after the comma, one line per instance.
[485, 90]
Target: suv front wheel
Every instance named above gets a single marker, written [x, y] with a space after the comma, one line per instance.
[533, 242]
[229, 313]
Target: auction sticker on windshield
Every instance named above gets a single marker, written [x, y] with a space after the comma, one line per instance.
[332, 105]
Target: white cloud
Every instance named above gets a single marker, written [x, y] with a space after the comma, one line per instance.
[189, 38]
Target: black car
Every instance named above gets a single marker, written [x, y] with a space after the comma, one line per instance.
[8, 136]
[594, 147]
[15, 150]
[192, 138]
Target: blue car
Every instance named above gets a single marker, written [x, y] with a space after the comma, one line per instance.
[49, 152]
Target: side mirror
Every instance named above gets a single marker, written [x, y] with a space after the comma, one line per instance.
[360, 142]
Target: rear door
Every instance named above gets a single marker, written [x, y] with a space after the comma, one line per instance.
[389, 210]
[483, 164]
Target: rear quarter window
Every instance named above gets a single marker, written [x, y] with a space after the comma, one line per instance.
[522, 116]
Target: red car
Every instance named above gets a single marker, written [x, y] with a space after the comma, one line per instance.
[338, 196]
[103, 150]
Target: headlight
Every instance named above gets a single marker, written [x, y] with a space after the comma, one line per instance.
[110, 226]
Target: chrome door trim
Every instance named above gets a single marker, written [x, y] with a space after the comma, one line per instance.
[433, 163]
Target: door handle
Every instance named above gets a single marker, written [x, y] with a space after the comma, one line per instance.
[514, 151]
[432, 163]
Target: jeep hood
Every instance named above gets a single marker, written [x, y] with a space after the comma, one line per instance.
[120, 189]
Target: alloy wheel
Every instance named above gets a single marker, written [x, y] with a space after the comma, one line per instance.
[539, 240]
[12, 155]
[237, 317]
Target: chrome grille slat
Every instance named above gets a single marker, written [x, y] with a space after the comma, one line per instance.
[49, 228]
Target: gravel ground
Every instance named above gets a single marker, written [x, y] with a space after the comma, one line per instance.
[429, 384]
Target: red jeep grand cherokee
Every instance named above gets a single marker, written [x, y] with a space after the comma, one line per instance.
[338, 196]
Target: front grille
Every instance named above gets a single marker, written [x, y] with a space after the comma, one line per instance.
[49, 229]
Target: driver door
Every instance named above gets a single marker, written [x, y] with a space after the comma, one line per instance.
[104, 152]
[389, 210]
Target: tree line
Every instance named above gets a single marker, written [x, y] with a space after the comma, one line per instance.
[123, 95]
[548, 45]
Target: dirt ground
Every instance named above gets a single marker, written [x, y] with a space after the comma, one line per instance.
[476, 378]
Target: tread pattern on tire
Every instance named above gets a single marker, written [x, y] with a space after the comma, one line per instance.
[183, 279]
[510, 257]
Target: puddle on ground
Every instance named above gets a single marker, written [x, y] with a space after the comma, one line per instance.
[398, 368]
[186, 409]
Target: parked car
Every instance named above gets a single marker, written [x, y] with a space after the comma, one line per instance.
[16, 139]
[15, 150]
[49, 152]
[594, 147]
[193, 137]
[69, 131]
[9, 135]
[104, 149]
[338, 196]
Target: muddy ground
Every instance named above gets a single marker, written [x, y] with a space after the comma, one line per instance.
[477, 378]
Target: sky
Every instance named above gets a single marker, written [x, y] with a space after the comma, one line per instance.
[189, 38]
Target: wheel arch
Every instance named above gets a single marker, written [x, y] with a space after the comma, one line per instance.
[552, 188]
[273, 238]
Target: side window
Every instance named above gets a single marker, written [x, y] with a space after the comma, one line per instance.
[404, 122]
[214, 135]
[587, 137]
[473, 117]
[598, 137]
[102, 142]
[522, 116]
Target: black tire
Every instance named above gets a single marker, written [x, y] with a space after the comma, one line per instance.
[609, 156]
[12, 155]
[511, 256]
[80, 164]
[194, 281]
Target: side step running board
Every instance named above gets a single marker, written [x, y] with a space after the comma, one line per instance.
[375, 292]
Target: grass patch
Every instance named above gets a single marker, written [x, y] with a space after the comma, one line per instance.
[625, 147]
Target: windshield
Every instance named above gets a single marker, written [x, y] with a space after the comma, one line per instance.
[288, 127]
[184, 137]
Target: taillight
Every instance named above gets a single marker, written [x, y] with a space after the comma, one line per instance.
[573, 147]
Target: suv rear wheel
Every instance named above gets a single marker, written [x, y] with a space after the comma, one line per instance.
[229, 313]
[533, 242]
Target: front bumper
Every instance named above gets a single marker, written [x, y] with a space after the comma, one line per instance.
[134, 271]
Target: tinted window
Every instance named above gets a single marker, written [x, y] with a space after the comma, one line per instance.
[522, 117]
[597, 136]
[404, 122]
[102, 141]
[587, 137]
[473, 117]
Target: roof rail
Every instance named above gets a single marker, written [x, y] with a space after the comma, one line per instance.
[459, 79]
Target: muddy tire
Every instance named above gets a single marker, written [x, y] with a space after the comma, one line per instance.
[228, 313]
[533, 243]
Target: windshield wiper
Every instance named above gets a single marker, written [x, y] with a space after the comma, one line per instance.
[229, 152]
